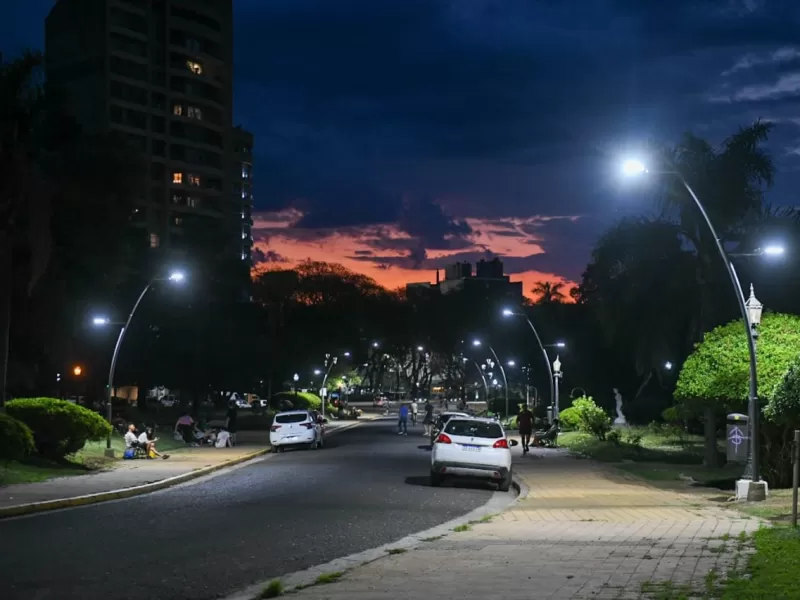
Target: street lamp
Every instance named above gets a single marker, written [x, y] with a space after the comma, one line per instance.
[317, 371]
[477, 343]
[77, 370]
[668, 366]
[507, 312]
[511, 363]
[101, 321]
[295, 378]
[557, 374]
[752, 488]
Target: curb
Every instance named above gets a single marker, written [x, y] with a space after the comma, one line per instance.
[48, 505]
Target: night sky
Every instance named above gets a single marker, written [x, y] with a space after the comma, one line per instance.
[396, 136]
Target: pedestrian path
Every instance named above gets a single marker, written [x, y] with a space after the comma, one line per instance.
[583, 531]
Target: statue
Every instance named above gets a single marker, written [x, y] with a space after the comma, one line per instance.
[620, 420]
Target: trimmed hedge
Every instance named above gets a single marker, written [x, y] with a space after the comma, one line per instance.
[299, 401]
[16, 438]
[59, 428]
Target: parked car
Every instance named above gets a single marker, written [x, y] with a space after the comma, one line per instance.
[240, 403]
[470, 447]
[296, 428]
[379, 401]
[440, 420]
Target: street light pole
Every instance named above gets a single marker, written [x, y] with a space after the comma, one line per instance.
[508, 312]
[753, 492]
[503, 373]
[325, 379]
[557, 374]
[483, 378]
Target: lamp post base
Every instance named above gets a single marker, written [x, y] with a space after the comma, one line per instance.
[751, 491]
[109, 453]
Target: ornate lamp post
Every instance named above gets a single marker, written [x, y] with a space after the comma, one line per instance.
[557, 374]
[751, 470]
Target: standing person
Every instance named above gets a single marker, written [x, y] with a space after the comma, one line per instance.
[185, 427]
[414, 411]
[402, 424]
[427, 420]
[525, 425]
[230, 422]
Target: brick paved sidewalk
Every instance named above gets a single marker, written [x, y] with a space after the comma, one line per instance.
[583, 531]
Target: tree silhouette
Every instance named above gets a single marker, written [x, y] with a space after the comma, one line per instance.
[549, 293]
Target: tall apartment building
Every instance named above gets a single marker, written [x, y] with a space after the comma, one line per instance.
[242, 177]
[160, 73]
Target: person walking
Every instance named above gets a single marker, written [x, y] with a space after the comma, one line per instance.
[402, 423]
[414, 411]
[427, 420]
[525, 426]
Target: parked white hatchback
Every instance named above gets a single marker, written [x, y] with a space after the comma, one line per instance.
[470, 447]
[295, 428]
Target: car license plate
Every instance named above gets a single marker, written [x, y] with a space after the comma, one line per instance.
[469, 448]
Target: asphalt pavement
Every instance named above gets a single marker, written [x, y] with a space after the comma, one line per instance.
[271, 517]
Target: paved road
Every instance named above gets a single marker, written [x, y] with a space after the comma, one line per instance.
[275, 516]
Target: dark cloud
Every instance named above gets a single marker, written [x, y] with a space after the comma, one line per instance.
[268, 256]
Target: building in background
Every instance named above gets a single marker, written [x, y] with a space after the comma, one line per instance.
[160, 73]
[242, 177]
[488, 284]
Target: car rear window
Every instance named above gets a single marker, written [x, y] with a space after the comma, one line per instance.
[473, 429]
[291, 418]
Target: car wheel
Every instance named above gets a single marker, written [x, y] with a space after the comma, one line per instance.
[505, 485]
[277, 449]
[436, 479]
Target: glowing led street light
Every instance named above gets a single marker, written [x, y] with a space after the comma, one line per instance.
[633, 166]
[100, 321]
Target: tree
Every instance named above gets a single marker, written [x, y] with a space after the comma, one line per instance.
[715, 378]
[548, 293]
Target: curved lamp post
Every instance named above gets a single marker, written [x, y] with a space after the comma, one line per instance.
[477, 343]
[332, 360]
[174, 277]
[751, 319]
[507, 312]
[483, 377]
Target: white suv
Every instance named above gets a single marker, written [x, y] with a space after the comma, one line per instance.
[472, 447]
[297, 427]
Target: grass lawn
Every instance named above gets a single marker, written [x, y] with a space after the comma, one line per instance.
[772, 570]
[654, 447]
[90, 458]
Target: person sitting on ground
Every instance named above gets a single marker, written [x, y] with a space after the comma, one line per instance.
[223, 439]
[131, 439]
[185, 426]
[148, 441]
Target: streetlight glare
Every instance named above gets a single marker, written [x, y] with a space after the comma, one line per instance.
[774, 250]
[317, 371]
[177, 276]
[375, 344]
[633, 166]
[347, 355]
[511, 363]
[507, 312]
[561, 345]
[476, 342]
[668, 366]
[99, 321]
[420, 348]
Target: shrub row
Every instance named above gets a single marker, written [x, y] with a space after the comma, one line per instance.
[59, 428]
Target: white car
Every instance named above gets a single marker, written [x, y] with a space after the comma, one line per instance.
[295, 428]
[472, 448]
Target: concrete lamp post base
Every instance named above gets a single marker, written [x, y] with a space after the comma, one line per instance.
[751, 491]
[109, 453]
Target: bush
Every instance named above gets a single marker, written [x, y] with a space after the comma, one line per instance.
[591, 418]
[298, 401]
[570, 418]
[59, 427]
[615, 437]
[16, 438]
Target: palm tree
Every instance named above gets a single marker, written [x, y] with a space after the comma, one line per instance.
[548, 293]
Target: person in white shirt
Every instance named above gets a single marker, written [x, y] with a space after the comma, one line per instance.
[223, 439]
[414, 411]
[131, 441]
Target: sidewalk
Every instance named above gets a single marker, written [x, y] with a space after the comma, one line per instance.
[583, 531]
[126, 475]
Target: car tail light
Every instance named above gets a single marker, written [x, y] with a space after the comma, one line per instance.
[501, 443]
[275, 428]
[443, 439]
[308, 425]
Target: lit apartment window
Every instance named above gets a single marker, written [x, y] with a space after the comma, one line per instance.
[177, 178]
[178, 220]
[178, 109]
[244, 256]
[191, 202]
[194, 179]
[194, 67]
[244, 235]
[155, 242]
[245, 172]
[194, 112]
